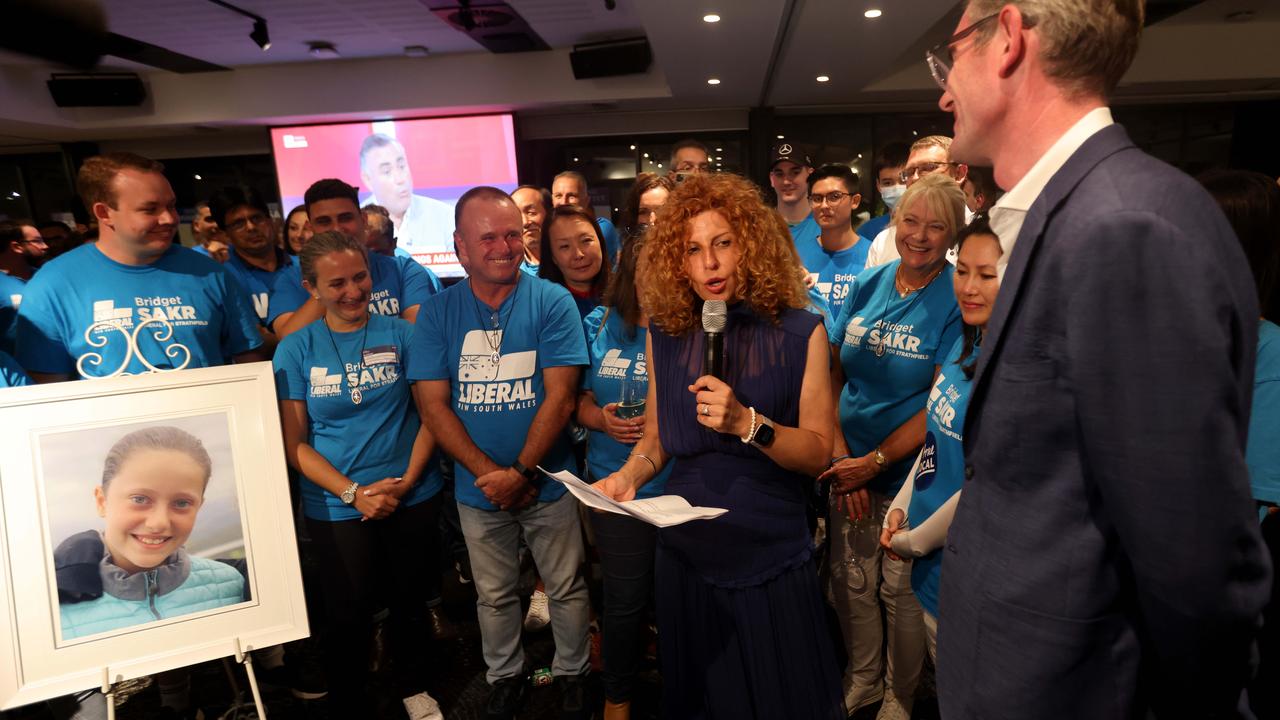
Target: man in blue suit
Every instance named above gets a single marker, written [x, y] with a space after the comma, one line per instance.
[1105, 560]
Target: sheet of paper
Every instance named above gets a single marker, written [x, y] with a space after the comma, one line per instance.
[662, 511]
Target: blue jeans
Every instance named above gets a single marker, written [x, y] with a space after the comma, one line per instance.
[554, 534]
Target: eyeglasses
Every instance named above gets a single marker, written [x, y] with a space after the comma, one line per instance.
[238, 225]
[831, 198]
[939, 58]
[927, 168]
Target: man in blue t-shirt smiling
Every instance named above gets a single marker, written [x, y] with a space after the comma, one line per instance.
[134, 301]
[399, 285]
[496, 360]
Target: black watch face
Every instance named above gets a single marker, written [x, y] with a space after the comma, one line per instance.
[764, 435]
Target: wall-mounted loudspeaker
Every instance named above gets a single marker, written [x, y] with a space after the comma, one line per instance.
[607, 59]
[97, 90]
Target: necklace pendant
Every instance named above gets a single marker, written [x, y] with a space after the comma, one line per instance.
[356, 396]
[495, 358]
[879, 349]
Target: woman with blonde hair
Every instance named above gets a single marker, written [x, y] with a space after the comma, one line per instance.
[741, 618]
[893, 333]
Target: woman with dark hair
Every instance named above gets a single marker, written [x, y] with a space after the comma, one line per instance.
[611, 406]
[649, 193]
[573, 247]
[1251, 202]
[917, 522]
[297, 230]
[370, 489]
[535, 205]
[743, 633]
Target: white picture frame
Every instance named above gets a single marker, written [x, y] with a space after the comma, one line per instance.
[46, 665]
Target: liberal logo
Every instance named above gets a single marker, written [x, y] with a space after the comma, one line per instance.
[928, 469]
[324, 384]
[492, 381]
[613, 364]
[854, 332]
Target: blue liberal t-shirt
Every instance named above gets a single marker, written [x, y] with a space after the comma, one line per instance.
[496, 402]
[263, 287]
[398, 283]
[11, 375]
[85, 314]
[941, 470]
[365, 442]
[1263, 451]
[612, 241]
[837, 271]
[615, 354]
[805, 235]
[872, 227]
[889, 346]
[11, 291]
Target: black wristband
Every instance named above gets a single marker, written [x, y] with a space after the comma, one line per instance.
[527, 473]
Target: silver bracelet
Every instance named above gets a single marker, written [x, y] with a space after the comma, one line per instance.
[751, 434]
[647, 459]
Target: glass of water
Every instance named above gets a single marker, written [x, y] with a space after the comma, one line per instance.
[635, 388]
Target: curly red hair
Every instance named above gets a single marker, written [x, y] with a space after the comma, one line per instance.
[769, 276]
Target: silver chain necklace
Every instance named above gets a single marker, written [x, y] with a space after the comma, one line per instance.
[494, 343]
[356, 396]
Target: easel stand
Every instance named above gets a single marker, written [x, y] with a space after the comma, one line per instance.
[238, 706]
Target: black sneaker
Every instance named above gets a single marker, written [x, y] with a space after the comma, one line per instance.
[575, 702]
[505, 699]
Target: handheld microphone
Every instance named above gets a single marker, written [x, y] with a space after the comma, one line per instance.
[715, 316]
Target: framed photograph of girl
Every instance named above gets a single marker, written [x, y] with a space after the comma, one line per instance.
[145, 524]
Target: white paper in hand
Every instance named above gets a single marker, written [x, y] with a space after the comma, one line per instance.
[662, 511]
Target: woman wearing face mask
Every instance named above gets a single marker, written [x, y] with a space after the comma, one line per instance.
[888, 167]
[534, 204]
[647, 195]
[893, 333]
[370, 489]
[572, 241]
[750, 442]
[917, 522]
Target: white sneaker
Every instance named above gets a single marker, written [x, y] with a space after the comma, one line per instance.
[539, 615]
[422, 707]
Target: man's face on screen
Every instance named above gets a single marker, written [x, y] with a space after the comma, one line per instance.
[386, 173]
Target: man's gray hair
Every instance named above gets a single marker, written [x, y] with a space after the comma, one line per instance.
[1086, 45]
[373, 142]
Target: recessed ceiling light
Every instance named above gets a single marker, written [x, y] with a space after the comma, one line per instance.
[719, 149]
[913, 132]
[198, 177]
[872, 13]
[822, 78]
[717, 157]
[713, 81]
[659, 164]
[859, 156]
[633, 147]
[575, 159]
[782, 137]
[646, 154]
[711, 18]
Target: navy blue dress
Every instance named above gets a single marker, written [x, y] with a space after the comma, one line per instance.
[740, 615]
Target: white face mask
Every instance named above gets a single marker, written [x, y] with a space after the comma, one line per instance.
[892, 194]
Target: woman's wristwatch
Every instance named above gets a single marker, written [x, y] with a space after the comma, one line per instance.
[348, 496]
[881, 460]
[761, 433]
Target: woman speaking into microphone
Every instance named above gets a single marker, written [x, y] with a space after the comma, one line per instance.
[742, 630]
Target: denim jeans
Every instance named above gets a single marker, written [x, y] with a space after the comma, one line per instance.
[863, 577]
[554, 534]
[626, 548]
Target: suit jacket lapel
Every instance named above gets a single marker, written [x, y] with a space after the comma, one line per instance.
[1102, 144]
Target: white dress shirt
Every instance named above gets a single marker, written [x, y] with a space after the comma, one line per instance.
[1009, 212]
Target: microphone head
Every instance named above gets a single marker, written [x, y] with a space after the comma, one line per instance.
[715, 316]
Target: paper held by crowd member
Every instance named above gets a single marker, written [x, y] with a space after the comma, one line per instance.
[662, 511]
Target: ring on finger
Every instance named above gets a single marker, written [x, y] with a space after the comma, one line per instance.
[705, 410]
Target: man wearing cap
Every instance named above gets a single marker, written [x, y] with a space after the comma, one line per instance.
[789, 170]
